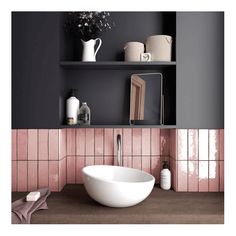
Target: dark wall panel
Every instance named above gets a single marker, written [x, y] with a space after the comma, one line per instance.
[35, 70]
[200, 69]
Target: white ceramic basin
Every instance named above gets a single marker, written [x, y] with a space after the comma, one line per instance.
[116, 186]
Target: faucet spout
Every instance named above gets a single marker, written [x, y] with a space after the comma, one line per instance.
[119, 158]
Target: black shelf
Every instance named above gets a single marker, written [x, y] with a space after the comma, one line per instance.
[116, 65]
[119, 126]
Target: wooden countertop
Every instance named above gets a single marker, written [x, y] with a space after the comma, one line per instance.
[74, 206]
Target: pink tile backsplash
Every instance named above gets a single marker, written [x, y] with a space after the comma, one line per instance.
[127, 142]
[43, 174]
[53, 175]
[70, 142]
[192, 144]
[70, 169]
[22, 143]
[89, 142]
[43, 144]
[99, 142]
[54, 157]
[32, 144]
[53, 143]
[137, 141]
[155, 142]
[146, 142]
[22, 176]
[192, 176]
[14, 144]
[80, 142]
[32, 175]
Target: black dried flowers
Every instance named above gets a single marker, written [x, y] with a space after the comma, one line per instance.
[88, 25]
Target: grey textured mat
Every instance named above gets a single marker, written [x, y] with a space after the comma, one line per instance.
[74, 206]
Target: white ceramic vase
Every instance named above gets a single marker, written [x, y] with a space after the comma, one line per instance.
[89, 52]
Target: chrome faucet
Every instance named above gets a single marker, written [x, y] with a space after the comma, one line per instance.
[119, 157]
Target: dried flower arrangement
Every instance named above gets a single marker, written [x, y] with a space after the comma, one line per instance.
[88, 25]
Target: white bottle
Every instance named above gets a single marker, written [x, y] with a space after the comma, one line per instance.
[165, 181]
[72, 108]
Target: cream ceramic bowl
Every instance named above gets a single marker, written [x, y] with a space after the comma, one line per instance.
[116, 186]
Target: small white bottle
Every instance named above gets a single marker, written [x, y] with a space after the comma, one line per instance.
[165, 181]
[72, 108]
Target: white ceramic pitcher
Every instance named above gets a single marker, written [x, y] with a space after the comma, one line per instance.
[89, 52]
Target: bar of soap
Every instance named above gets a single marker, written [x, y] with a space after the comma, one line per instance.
[33, 196]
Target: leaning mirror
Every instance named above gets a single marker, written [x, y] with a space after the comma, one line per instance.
[146, 99]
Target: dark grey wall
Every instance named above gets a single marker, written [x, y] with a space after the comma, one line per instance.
[200, 69]
[35, 70]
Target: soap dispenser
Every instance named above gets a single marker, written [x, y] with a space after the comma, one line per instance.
[165, 181]
[72, 108]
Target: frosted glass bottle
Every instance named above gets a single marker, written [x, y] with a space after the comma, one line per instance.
[84, 114]
[165, 181]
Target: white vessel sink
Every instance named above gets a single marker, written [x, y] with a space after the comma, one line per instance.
[116, 186]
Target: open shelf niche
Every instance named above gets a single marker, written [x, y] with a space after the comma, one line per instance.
[105, 84]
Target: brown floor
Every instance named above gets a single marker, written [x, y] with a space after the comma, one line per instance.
[74, 206]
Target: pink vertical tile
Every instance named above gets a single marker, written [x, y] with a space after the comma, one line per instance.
[22, 144]
[62, 143]
[192, 176]
[98, 142]
[203, 144]
[137, 162]
[155, 142]
[117, 132]
[221, 176]
[53, 144]
[70, 169]
[98, 160]
[156, 167]
[32, 144]
[80, 142]
[109, 160]
[137, 141]
[221, 144]
[173, 170]
[14, 176]
[70, 142]
[13, 144]
[173, 143]
[193, 144]
[182, 176]
[89, 160]
[127, 142]
[146, 164]
[214, 176]
[182, 144]
[32, 175]
[54, 176]
[203, 176]
[164, 141]
[109, 144]
[62, 173]
[43, 144]
[127, 161]
[214, 146]
[89, 142]
[146, 142]
[42, 174]
[22, 176]
[80, 163]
